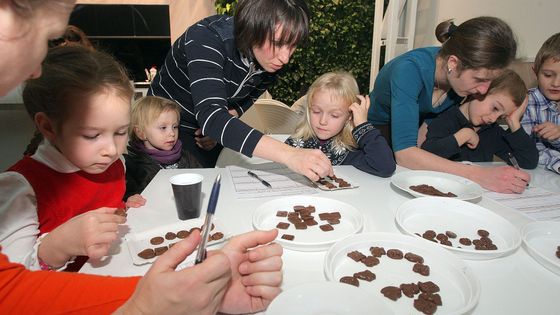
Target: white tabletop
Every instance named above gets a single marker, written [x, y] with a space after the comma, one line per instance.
[515, 284]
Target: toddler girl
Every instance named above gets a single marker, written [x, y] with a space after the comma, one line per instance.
[336, 123]
[154, 143]
[81, 107]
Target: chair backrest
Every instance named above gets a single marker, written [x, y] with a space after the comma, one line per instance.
[271, 117]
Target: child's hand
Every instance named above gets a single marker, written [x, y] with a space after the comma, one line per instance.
[548, 131]
[360, 110]
[513, 119]
[467, 136]
[90, 234]
[204, 142]
[135, 201]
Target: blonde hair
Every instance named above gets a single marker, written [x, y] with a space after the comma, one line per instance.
[549, 49]
[147, 109]
[340, 85]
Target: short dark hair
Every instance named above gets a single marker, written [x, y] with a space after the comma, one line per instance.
[255, 21]
[549, 49]
[509, 82]
[481, 42]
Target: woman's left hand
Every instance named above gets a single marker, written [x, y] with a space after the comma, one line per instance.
[360, 110]
[204, 142]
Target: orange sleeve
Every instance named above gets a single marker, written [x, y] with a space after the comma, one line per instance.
[48, 292]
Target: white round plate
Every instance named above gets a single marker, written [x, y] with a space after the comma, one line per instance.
[313, 238]
[459, 287]
[541, 240]
[327, 298]
[465, 189]
[442, 214]
[137, 242]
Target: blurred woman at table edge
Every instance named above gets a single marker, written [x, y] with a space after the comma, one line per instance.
[424, 82]
[218, 68]
[236, 279]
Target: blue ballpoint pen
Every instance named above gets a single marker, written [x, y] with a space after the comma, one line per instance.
[201, 253]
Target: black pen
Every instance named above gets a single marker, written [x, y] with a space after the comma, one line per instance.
[513, 161]
[201, 254]
[264, 182]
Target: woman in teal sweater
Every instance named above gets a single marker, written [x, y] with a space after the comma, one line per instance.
[424, 82]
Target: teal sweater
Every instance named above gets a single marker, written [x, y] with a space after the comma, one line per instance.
[402, 95]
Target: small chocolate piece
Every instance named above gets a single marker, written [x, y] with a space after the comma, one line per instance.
[395, 254]
[412, 257]
[217, 236]
[335, 178]
[377, 251]
[483, 233]
[335, 215]
[160, 250]
[431, 190]
[446, 243]
[370, 261]
[295, 220]
[121, 212]
[324, 216]
[429, 234]
[465, 241]
[170, 236]
[326, 227]
[356, 255]
[288, 237]
[282, 214]
[391, 292]
[195, 229]
[558, 253]
[435, 298]
[310, 222]
[450, 234]
[425, 306]
[344, 184]
[283, 225]
[350, 280]
[298, 207]
[147, 253]
[365, 275]
[300, 225]
[293, 214]
[333, 221]
[441, 237]
[183, 234]
[410, 289]
[421, 269]
[156, 240]
[330, 186]
[428, 287]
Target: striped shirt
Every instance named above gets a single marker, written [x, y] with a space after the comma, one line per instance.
[206, 75]
[540, 110]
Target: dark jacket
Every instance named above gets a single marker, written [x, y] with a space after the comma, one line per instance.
[141, 169]
[493, 140]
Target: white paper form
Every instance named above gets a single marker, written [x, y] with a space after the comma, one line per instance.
[283, 181]
[537, 203]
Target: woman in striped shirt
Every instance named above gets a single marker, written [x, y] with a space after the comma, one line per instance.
[220, 66]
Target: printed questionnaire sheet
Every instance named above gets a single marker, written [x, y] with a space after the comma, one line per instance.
[537, 203]
[283, 181]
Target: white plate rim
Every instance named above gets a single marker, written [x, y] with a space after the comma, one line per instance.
[539, 226]
[360, 295]
[466, 253]
[300, 199]
[397, 179]
[465, 270]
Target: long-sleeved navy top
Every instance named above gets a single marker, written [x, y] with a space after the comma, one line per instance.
[374, 156]
[206, 75]
[493, 140]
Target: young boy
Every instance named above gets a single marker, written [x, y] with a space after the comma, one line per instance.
[470, 132]
[542, 117]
